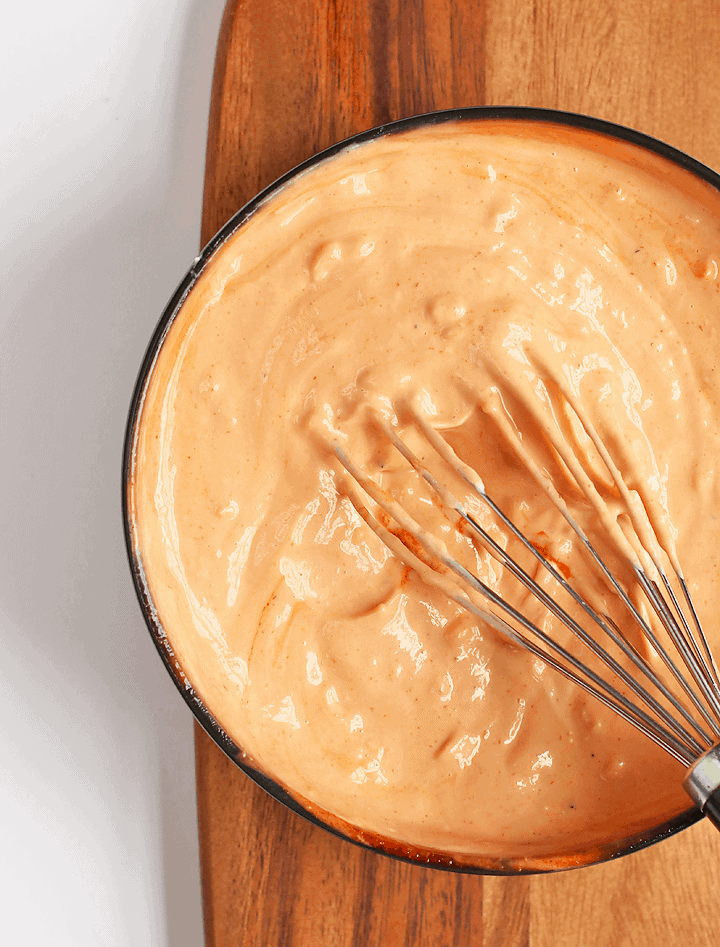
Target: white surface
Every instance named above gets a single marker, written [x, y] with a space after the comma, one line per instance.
[102, 142]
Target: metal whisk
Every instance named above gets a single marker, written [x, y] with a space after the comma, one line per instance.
[684, 719]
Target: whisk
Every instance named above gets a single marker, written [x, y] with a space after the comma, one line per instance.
[683, 719]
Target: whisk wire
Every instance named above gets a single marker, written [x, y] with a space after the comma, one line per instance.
[694, 744]
[708, 659]
[682, 751]
[476, 484]
[692, 661]
[452, 503]
[663, 728]
[672, 737]
[704, 672]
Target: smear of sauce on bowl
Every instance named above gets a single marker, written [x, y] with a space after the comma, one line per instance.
[487, 274]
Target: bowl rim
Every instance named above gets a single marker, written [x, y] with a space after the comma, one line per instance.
[465, 863]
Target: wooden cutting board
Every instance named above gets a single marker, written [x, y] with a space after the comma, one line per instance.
[290, 79]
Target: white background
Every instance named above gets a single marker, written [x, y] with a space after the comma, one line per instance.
[103, 112]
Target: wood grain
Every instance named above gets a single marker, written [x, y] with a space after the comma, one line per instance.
[291, 79]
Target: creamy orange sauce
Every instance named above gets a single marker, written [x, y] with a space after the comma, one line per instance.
[485, 276]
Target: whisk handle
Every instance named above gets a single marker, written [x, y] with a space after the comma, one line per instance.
[712, 809]
[702, 784]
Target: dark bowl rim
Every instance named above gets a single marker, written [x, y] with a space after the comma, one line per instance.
[404, 852]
